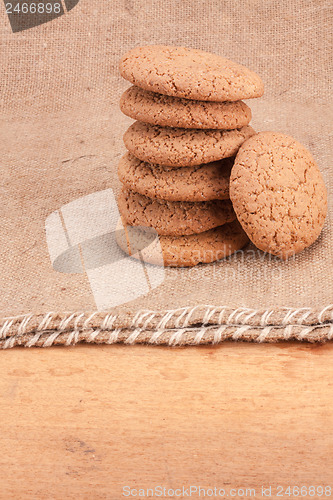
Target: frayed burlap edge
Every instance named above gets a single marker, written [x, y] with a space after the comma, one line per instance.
[197, 325]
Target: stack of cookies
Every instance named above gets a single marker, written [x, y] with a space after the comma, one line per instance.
[190, 124]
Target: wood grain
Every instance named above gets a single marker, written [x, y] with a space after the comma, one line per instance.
[84, 422]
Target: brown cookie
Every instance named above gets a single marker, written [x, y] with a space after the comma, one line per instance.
[189, 73]
[180, 147]
[173, 218]
[158, 109]
[278, 194]
[183, 251]
[200, 183]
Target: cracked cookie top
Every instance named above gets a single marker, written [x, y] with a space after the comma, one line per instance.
[278, 193]
[186, 250]
[189, 73]
[181, 147]
[200, 183]
[167, 111]
[173, 218]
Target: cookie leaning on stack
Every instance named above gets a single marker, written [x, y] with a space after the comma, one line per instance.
[278, 193]
[190, 123]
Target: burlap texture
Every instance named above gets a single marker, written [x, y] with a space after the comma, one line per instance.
[62, 138]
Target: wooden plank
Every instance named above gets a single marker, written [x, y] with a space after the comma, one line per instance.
[85, 421]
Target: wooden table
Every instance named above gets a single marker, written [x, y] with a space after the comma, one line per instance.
[84, 422]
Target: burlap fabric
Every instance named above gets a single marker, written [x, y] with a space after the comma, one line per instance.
[61, 141]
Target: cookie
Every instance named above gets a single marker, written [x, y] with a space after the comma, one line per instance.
[183, 251]
[158, 109]
[173, 218]
[180, 147]
[200, 183]
[278, 194]
[189, 73]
